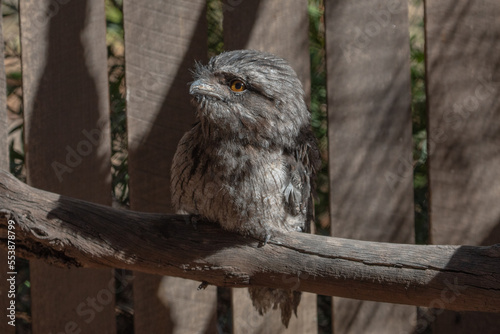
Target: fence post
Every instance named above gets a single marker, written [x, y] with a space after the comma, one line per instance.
[162, 40]
[370, 143]
[282, 28]
[463, 84]
[67, 140]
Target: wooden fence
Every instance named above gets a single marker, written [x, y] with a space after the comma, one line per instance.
[67, 131]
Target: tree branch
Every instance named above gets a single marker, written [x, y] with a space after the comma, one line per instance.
[69, 232]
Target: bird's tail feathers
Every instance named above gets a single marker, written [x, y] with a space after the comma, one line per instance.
[264, 299]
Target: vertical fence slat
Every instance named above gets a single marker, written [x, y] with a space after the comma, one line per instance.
[162, 40]
[4, 165]
[65, 91]
[370, 146]
[280, 28]
[463, 71]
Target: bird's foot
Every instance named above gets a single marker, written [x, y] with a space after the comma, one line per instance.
[194, 220]
[203, 285]
[266, 239]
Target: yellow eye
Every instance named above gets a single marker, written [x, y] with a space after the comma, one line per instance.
[238, 86]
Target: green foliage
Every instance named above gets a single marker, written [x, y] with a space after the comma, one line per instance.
[118, 117]
[119, 152]
[419, 124]
[16, 157]
[214, 22]
[114, 14]
[319, 117]
[319, 124]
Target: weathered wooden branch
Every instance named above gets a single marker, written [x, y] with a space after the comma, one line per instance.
[69, 232]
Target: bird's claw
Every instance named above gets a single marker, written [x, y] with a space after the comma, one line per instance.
[266, 239]
[203, 285]
[193, 220]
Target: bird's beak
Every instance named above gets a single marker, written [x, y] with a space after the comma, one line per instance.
[202, 87]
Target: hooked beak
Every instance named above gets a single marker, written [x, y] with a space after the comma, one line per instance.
[201, 87]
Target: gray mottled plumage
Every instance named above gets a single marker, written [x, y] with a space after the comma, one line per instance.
[248, 161]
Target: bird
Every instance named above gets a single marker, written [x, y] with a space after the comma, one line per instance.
[249, 161]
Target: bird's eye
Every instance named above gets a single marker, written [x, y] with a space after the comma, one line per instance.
[238, 86]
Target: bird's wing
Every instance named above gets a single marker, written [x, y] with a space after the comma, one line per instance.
[302, 163]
